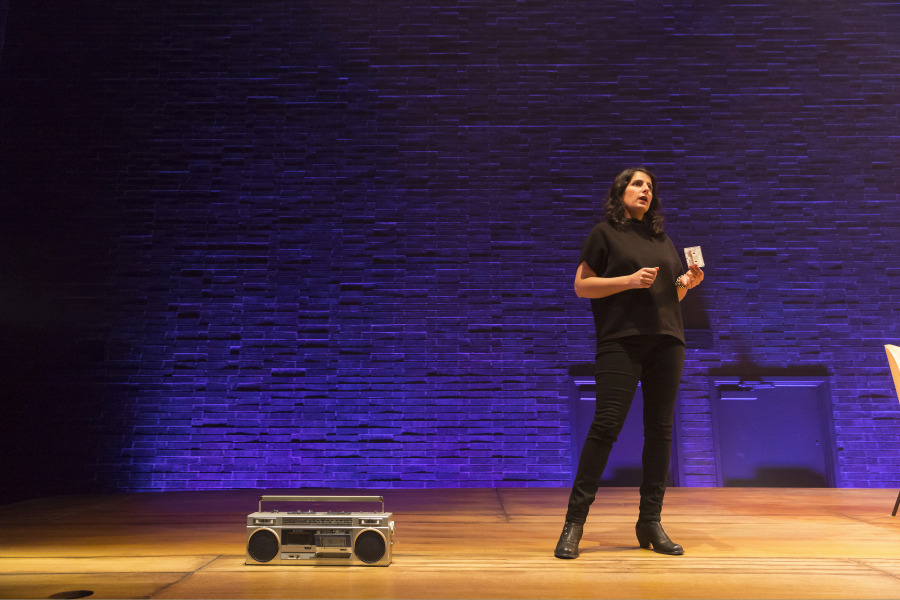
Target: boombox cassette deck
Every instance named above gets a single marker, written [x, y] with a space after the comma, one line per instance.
[311, 538]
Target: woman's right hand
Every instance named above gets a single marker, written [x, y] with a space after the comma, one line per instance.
[644, 278]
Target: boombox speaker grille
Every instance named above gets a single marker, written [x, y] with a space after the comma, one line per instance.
[263, 545]
[370, 546]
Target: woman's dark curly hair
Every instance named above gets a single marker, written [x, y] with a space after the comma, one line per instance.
[615, 209]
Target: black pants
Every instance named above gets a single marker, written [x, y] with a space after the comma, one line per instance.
[656, 361]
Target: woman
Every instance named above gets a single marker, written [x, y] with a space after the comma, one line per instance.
[632, 273]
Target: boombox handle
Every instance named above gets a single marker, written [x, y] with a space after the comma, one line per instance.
[321, 499]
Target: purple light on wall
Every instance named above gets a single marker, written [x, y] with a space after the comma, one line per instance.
[334, 245]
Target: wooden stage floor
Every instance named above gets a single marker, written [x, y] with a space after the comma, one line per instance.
[470, 543]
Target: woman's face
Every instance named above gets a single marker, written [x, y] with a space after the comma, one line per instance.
[638, 195]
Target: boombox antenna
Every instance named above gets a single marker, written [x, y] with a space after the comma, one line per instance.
[321, 499]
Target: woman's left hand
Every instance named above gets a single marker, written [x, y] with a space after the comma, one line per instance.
[694, 277]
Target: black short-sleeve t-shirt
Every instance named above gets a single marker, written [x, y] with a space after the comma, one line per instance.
[612, 252]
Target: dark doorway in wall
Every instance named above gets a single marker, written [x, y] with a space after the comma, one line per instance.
[773, 432]
[624, 466]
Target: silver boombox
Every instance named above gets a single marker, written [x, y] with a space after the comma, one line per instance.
[320, 538]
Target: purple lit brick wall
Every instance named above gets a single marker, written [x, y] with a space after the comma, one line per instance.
[282, 244]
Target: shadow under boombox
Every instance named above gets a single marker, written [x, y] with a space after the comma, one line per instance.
[311, 538]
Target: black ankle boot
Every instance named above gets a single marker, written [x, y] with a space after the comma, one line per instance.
[567, 546]
[651, 533]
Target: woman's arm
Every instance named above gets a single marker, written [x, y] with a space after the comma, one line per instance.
[589, 285]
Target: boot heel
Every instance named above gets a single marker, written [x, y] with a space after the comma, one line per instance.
[643, 538]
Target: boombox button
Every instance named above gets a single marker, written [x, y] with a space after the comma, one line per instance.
[298, 556]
